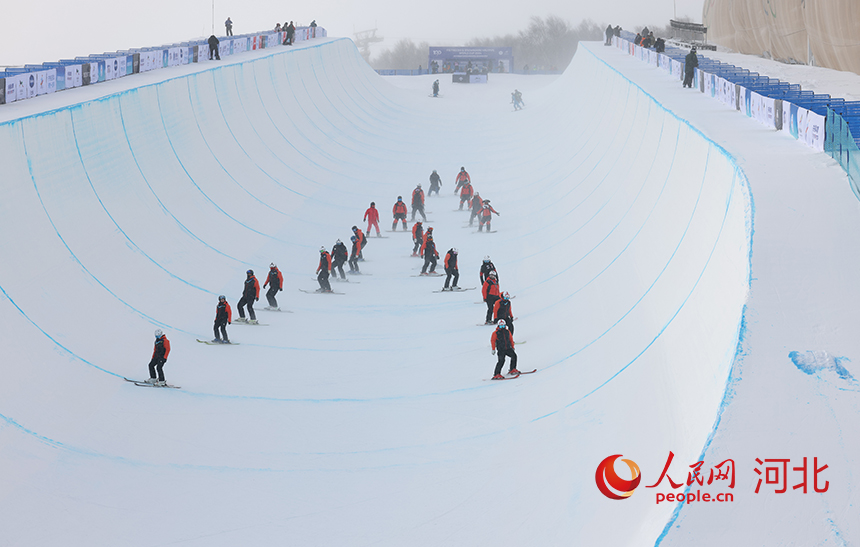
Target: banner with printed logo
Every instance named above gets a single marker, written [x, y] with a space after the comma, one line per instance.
[135, 63]
[60, 78]
[815, 131]
[802, 124]
[2, 90]
[32, 83]
[769, 116]
[786, 116]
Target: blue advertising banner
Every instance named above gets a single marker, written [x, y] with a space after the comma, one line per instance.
[475, 59]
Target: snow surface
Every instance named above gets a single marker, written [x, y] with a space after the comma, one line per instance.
[626, 233]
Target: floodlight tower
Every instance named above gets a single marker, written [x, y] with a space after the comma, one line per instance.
[363, 39]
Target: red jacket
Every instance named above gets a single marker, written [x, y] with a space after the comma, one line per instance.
[497, 307]
[360, 239]
[325, 262]
[161, 344]
[399, 208]
[488, 211]
[372, 214]
[417, 197]
[490, 288]
[463, 177]
[415, 229]
[502, 339]
[467, 191]
[277, 274]
[227, 310]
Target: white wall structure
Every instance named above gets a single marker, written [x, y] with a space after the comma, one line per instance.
[625, 235]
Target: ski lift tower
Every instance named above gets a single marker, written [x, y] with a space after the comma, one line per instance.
[363, 39]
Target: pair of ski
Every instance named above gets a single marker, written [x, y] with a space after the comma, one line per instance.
[143, 383]
[491, 324]
[217, 343]
[429, 274]
[514, 377]
[458, 289]
[269, 308]
[321, 292]
[243, 321]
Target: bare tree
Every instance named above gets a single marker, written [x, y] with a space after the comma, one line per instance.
[405, 54]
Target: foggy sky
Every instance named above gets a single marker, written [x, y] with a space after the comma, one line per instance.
[36, 32]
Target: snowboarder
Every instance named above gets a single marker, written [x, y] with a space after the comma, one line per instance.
[486, 216]
[228, 24]
[418, 202]
[223, 317]
[477, 204]
[490, 291]
[502, 343]
[250, 294]
[322, 272]
[451, 269]
[436, 88]
[372, 218]
[428, 251]
[690, 64]
[466, 192]
[339, 255]
[159, 358]
[435, 183]
[486, 268]
[502, 311]
[353, 258]
[362, 241]
[462, 177]
[275, 281]
[399, 212]
[417, 237]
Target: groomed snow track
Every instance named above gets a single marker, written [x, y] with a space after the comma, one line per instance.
[363, 419]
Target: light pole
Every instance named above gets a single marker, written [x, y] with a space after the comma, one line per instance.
[213, 16]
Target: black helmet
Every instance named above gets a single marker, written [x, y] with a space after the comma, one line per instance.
[250, 272]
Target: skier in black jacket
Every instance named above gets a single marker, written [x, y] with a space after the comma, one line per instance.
[430, 256]
[435, 183]
[690, 64]
[486, 268]
[339, 256]
[451, 269]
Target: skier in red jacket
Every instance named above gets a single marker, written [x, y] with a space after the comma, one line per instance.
[275, 281]
[159, 358]
[399, 212]
[372, 218]
[502, 343]
[466, 194]
[417, 237]
[490, 292]
[502, 311]
[362, 241]
[462, 178]
[418, 202]
[486, 216]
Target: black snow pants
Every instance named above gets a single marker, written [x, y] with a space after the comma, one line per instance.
[502, 353]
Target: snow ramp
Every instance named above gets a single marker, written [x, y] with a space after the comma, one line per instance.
[362, 418]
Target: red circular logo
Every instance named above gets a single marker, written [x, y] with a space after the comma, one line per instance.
[610, 484]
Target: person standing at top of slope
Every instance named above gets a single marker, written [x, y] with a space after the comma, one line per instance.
[502, 311]
[399, 212]
[159, 358]
[436, 90]
[466, 192]
[417, 237]
[223, 317]
[690, 64]
[228, 24]
[486, 267]
[418, 202]
[275, 281]
[451, 269]
[490, 292]
[250, 294]
[322, 271]
[362, 241]
[372, 218]
[353, 258]
[462, 178]
[290, 31]
[435, 183]
[213, 47]
[428, 251]
[339, 255]
[502, 343]
[476, 204]
[486, 216]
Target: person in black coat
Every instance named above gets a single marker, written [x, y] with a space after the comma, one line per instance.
[339, 256]
[213, 47]
[690, 64]
[609, 33]
[430, 256]
[660, 45]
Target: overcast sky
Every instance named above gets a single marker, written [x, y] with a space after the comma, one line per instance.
[35, 32]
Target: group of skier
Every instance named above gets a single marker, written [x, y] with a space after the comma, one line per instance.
[331, 263]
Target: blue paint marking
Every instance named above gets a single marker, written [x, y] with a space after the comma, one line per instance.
[810, 363]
